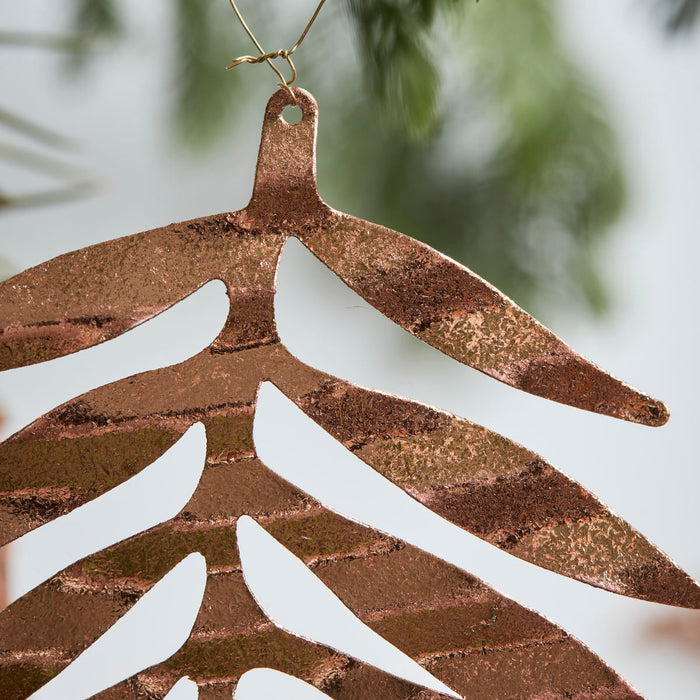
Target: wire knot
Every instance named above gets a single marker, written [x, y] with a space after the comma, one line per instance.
[282, 53]
[267, 58]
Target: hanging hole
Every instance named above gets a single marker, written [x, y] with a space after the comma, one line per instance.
[292, 114]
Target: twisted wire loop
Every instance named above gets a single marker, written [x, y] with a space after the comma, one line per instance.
[268, 57]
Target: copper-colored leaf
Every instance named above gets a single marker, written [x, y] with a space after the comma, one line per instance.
[473, 639]
[470, 637]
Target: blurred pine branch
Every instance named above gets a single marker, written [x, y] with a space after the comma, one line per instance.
[681, 15]
[93, 19]
[34, 131]
[518, 175]
[53, 42]
[464, 124]
[204, 92]
[98, 19]
[398, 61]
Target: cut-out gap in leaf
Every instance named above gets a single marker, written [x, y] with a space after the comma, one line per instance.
[297, 601]
[173, 336]
[329, 326]
[464, 479]
[152, 496]
[184, 689]
[303, 453]
[324, 322]
[154, 629]
[260, 683]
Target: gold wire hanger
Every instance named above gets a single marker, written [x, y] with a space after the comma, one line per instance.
[267, 57]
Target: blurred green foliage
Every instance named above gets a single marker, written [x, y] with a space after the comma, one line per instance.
[97, 20]
[203, 92]
[518, 174]
[399, 66]
[680, 14]
[465, 125]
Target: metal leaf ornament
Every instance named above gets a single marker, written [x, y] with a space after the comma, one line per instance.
[474, 640]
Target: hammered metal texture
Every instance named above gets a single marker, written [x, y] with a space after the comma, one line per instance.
[475, 640]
